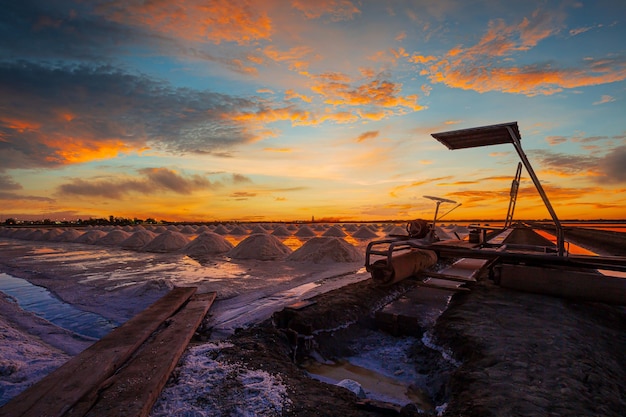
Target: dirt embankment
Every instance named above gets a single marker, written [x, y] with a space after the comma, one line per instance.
[529, 355]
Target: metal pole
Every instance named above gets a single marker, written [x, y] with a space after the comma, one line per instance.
[559, 229]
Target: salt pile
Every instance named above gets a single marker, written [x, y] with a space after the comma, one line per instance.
[398, 231]
[221, 230]
[91, 236]
[36, 235]
[326, 249]
[167, 242]
[335, 231]
[238, 231]
[258, 229]
[207, 243]
[350, 227]
[114, 237]
[364, 233]
[281, 231]
[305, 231]
[292, 227]
[188, 230]
[69, 236]
[204, 228]
[261, 246]
[138, 240]
[52, 234]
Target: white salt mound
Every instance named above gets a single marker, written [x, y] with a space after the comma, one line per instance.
[52, 234]
[335, 231]
[238, 231]
[292, 227]
[281, 231]
[167, 242]
[112, 238]
[188, 230]
[138, 239]
[261, 246]
[221, 230]
[258, 229]
[69, 236]
[90, 237]
[364, 233]
[350, 227]
[326, 249]
[305, 231]
[36, 235]
[207, 243]
[398, 231]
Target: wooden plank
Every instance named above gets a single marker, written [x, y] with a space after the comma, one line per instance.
[443, 287]
[57, 392]
[449, 277]
[135, 388]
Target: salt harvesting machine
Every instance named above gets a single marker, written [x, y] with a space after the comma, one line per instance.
[515, 255]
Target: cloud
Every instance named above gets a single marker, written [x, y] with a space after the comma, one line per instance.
[399, 188]
[217, 21]
[153, 181]
[7, 183]
[556, 140]
[367, 135]
[614, 165]
[57, 115]
[336, 9]
[481, 68]
[242, 195]
[604, 99]
[240, 179]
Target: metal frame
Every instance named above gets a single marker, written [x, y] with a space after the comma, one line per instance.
[495, 135]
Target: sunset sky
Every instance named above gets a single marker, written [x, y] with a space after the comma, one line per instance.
[287, 109]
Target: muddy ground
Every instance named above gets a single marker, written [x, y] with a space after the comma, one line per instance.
[518, 354]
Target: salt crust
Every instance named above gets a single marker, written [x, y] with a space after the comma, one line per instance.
[261, 246]
[326, 249]
[212, 385]
[207, 243]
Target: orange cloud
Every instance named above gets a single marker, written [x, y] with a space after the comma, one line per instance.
[290, 94]
[195, 20]
[367, 135]
[480, 67]
[337, 9]
[381, 93]
[286, 150]
[68, 150]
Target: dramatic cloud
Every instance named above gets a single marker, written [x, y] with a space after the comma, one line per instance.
[7, 183]
[193, 20]
[62, 115]
[614, 165]
[336, 9]
[154, 180]
[481, 67]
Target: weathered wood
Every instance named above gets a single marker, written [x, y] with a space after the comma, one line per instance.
[567, 283]
[134, 389]
[56, 393]
[449, 277]
[443, 287]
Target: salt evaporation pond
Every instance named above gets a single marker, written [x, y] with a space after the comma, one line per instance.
[41, 302]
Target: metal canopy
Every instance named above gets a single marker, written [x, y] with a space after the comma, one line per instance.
[478, 136]
[496, 135]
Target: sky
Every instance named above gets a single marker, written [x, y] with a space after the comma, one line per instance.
[283, 110]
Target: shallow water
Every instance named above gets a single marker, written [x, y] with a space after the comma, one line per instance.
[41, 302]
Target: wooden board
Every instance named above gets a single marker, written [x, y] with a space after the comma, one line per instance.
[56, 393]
[135, 388]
